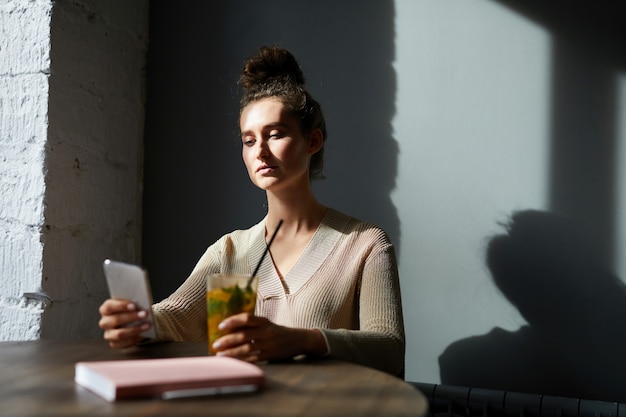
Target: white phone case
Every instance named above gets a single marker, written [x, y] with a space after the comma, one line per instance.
[130, 282]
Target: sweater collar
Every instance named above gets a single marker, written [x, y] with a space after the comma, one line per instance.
[314, 255]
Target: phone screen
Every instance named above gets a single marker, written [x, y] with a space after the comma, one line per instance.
[130, 282]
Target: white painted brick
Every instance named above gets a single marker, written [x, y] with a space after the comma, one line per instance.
[24, 64]
[24, 36]
[71, 127]
[23, 131]
[19, 322]
[20, 260]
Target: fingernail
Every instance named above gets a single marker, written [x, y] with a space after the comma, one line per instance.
[142, 314]
[145, 326]
[131, 306]
[215, 346]
[221, 326]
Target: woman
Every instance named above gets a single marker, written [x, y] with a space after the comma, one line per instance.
[330, 286]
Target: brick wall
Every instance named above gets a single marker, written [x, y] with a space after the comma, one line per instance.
[71, 135]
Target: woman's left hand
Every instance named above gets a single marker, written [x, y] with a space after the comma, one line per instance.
[252, 338]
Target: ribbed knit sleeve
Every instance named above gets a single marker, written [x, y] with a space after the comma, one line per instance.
[183, 315]
[379, 340]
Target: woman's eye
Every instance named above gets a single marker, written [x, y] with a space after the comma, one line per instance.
[276, 135]
[248, 142]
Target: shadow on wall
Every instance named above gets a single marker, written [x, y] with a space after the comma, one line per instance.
[588, 55]
[196, 187]
[574, 342]
[559, 277]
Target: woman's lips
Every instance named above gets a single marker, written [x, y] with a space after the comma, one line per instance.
[265, 169]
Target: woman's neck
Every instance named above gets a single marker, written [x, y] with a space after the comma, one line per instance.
[300, 212]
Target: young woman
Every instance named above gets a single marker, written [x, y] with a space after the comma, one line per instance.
[330, 286]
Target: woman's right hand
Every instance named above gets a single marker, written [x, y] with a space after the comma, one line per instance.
[116, 315]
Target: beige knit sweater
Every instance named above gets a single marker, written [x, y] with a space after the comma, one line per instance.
[345, 284]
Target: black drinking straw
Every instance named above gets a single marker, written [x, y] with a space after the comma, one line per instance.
[267, 249]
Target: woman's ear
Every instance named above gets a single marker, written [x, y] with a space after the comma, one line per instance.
[316, 141]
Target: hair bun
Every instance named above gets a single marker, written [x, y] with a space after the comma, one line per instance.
[271, 63]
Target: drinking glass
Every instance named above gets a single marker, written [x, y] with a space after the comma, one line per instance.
[227, 295]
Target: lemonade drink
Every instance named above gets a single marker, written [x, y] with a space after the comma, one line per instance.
[226, 295]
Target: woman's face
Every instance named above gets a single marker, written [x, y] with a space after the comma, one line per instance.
[275, 151]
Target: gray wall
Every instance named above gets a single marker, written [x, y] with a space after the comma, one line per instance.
[445, 118]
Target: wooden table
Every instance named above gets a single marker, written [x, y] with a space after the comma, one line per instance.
[37, 379]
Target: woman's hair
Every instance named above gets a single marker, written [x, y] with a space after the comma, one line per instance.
[274, 72]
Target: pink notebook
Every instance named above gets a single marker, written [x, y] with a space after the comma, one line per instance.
[169, 377]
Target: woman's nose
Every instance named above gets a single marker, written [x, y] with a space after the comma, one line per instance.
[262, 151]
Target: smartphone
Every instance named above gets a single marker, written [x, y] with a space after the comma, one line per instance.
[130, 282]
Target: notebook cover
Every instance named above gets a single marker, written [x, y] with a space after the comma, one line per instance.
[168, 377]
